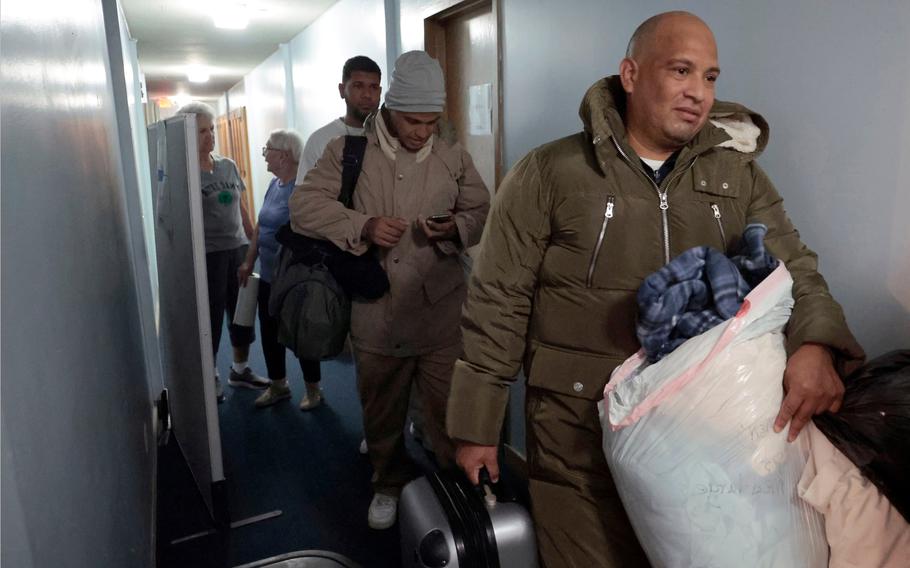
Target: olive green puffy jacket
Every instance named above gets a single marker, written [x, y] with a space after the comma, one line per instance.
[577, 225]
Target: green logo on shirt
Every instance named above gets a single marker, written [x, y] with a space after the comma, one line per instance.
[225, 198]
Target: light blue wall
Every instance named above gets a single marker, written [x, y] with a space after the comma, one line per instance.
[77, 442]
[297, 86]
[829, 75]
[350, 27]
[267, 108]
[236, 96]
[138, 184]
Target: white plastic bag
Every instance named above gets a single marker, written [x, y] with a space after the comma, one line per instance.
[690, 443]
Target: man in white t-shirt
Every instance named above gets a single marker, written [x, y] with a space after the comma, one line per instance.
[360, 88]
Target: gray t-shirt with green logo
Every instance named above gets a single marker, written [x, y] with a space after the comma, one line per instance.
[221, 194]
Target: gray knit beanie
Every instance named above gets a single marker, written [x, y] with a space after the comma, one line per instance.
[417, 84]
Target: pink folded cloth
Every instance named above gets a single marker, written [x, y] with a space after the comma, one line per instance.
[862, 527]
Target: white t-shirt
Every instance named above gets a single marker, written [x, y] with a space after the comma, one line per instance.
[653, 164]
[316, 143]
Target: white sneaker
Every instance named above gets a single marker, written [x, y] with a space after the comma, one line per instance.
[272, 395]
[363, 447]
[383, 511]
[219, 390]
[247, 379]
[311, 398]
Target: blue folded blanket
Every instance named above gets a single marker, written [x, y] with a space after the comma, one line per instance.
[697, 290]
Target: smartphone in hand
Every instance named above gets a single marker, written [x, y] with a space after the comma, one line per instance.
[440, 218]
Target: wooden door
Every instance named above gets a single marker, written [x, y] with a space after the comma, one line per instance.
[233, 142]
[223, 135]
[465, 41]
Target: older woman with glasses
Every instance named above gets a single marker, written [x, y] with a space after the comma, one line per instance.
[282, 155]
[227, 227]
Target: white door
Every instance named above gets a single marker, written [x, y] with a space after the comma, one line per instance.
[185, 334]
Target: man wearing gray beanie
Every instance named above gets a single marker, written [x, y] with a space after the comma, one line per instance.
[418, 203]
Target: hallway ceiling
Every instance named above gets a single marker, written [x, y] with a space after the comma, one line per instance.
[173, 35]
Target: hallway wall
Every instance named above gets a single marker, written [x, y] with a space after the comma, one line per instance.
[236, 96]
[77, 444]
[350, 27]
[297, 86]
[138, 186]
[266, 109]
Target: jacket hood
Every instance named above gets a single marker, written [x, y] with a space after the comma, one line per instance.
[730, 125]
[445, 146]
[445, 131]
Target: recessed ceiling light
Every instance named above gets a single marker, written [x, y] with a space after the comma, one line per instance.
[197, 75]
[232, 17]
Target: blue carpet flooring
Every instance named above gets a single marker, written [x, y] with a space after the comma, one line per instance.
[305, 464]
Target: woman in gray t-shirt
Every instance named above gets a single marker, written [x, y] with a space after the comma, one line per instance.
[223, 207]
[227, 226]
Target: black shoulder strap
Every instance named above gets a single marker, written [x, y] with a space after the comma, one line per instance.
[351, 162]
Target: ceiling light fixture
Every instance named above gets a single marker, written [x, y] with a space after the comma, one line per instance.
[232, 17]
[197, 75]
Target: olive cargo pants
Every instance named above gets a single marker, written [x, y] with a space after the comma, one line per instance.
[578, 516]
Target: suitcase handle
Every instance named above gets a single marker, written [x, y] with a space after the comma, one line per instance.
[491, 492]
[486, 482]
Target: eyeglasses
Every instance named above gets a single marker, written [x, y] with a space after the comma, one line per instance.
[265, 150]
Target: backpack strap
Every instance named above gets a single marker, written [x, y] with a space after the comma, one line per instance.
[352, 163]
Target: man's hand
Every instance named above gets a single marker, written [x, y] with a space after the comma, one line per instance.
[384, 231]
[243, 273]
[438, 231]
[471, 457]
[812, 386]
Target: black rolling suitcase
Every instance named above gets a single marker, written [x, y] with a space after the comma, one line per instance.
[445, 521]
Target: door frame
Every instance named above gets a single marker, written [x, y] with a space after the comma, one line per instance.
[434, 41]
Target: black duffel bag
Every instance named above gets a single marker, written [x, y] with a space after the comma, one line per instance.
[314, 280]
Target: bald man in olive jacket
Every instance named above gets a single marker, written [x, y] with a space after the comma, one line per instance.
[574, 229]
